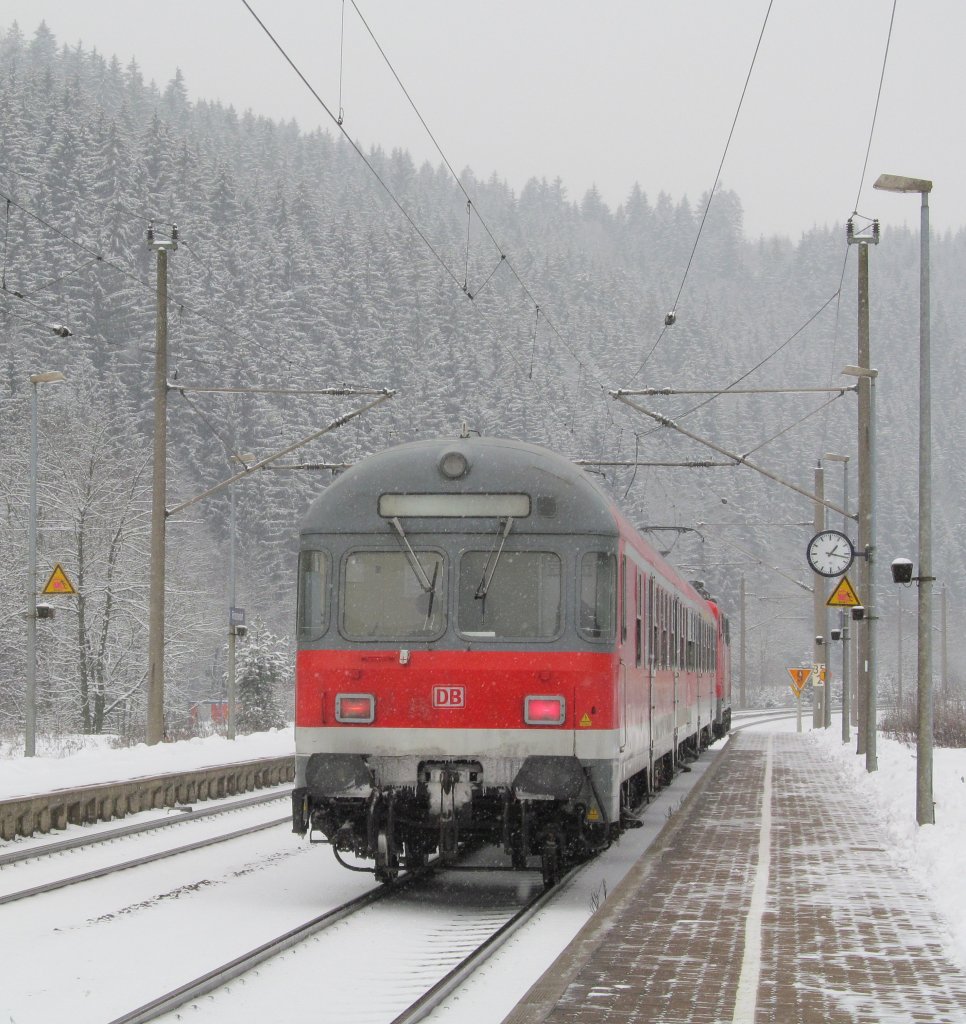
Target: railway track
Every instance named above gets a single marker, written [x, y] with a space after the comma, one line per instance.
[81, 842]
[499, 923]
[183, 814]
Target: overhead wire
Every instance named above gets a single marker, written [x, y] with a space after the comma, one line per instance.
[865, 166]
[669, 319]
[875, 112]
[503, 260]
[389, 192]
[771, 355]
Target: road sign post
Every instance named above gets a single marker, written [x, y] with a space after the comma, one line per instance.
[799, 680]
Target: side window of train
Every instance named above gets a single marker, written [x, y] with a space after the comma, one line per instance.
[623, 589]
[597, 609]
[638, 618]
[312, 611]
[675, 632]
[664, 624]
[652, 619]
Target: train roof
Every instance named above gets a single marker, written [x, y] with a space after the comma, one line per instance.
[564, 498]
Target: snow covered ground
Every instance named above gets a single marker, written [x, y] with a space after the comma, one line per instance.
[932, 853]
[94, 763]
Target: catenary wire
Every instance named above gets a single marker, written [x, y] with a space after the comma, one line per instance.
[717, 178]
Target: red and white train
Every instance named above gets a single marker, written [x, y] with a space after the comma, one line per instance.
[489, 653]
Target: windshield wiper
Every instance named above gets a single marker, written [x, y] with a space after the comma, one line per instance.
[418, 571]
[494, 558]
[432, 597]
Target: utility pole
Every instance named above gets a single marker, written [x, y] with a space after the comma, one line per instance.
[865, 639]
[945, 650]
[30, 732]
[846, 682]
[232, 695]
[155, 723]
[819, 610]
[744, 664]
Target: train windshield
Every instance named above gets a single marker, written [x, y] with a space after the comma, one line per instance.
[311, 596]
[384, 598]
[522, 599]
[598, 592]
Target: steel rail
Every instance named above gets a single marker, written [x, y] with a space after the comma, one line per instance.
[45, 849]
[435, 996]
[219, 976]
[87, 876]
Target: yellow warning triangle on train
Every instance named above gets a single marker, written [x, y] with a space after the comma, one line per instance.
[58, 582]
[844, 595]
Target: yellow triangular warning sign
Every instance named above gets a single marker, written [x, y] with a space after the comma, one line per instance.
[800, 676]
[585, 721]
[844, 595]
[59, 583]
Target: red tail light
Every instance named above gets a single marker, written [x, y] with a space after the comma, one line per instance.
[544, 710]
[359, 708]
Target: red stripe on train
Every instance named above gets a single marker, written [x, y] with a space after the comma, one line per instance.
[457, 689]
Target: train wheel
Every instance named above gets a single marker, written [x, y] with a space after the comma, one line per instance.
[550, 863]
[387, 860]
[518, 854]
[416, 855]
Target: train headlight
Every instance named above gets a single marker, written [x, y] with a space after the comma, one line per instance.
[355, 708]
[453, 465]
[544, 710]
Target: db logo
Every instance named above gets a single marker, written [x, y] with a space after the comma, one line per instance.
[449, 696]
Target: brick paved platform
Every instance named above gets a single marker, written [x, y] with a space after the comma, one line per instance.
[770, 897]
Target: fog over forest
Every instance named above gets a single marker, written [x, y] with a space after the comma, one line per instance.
[299, 267]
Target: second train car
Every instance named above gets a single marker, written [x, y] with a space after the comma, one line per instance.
[490, 654]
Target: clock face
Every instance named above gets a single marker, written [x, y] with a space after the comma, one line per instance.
[830, 553]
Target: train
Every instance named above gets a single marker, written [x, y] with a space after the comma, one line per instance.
[489, 654]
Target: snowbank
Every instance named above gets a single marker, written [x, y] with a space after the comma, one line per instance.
[932, 853]
[27, 776]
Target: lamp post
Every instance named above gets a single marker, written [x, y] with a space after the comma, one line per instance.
[30, 741]
[925, 812]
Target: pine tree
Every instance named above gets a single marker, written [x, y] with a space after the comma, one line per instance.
[264, 667]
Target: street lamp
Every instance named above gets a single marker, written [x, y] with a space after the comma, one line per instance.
[30, 741]
[925, 812]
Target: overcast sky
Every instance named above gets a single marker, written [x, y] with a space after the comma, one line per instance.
[603, 93]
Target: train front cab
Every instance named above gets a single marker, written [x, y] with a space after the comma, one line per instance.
[480, 719]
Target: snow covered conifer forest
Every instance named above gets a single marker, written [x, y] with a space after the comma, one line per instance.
[298, 269]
